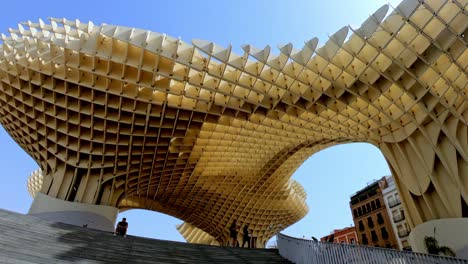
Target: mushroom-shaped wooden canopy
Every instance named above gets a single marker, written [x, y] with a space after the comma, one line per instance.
[136, 119]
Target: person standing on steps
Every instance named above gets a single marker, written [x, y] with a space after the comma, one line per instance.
[233, 233]
[121, 228]
[246, 237]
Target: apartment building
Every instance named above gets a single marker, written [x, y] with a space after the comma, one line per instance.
[346, 235]
[371, 219]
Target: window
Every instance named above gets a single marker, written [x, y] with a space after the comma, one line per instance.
[399, 228]
[355, 212]
[397, 215]
[364, 239]
[406, 245]
[374, 236]
[370, 223]
[359, 211]
[380, 219]
[373, 205]
[361, 226]
[384, 233]
[377, 203]
[352, 241]
[393, 201]
[407, 227]
[403, 231]
[368, 207]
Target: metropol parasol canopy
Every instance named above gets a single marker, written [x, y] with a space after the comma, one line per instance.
[128, 118]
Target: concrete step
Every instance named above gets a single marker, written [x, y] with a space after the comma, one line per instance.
[27, 239]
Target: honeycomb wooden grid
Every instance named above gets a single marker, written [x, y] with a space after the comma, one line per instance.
[136, 119]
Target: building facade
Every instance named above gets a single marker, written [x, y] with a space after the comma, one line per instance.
[346, 235]
[396, 213]
[372, 222]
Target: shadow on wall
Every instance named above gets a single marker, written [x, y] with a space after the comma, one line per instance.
[449, 232]
[77, 218]
[52, 209]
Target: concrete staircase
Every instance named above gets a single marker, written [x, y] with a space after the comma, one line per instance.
[27, 239]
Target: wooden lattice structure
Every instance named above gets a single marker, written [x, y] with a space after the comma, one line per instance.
[136, 119]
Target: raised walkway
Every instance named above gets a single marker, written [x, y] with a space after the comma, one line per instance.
[26, 239]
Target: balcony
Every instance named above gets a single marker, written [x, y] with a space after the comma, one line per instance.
[394, 203]
[403, 233]
[398, 218]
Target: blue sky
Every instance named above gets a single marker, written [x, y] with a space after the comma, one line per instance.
[329, 177]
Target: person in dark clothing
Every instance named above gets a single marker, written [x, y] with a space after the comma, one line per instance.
[233, 233]
[246, 236]
[121, 228]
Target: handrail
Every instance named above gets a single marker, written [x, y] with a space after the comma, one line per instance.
[303, 251]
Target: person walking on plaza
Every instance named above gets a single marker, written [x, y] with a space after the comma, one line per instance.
[233, 233]
[121, 228]
[246, 236]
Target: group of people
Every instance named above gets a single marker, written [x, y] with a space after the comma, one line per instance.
[122, 227]
[233, 235]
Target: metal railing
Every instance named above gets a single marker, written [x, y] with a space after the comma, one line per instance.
[302, 251]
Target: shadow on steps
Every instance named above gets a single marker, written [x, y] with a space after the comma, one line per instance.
[26, 239]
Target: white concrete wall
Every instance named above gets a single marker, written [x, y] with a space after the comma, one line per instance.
[450, 232]
[94, 216]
